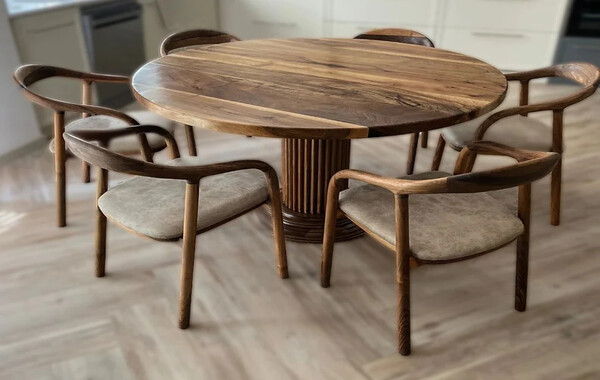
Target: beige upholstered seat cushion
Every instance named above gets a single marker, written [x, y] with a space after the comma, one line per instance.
[154, 207]
[442, 226]
[516, 131]
[128, 144]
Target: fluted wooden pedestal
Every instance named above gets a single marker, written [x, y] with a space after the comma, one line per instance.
[308, 165]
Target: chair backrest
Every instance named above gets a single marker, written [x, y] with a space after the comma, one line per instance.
[581, 73]
[404, 36]
[27, 75]
[530, 166]
[90, 146]
[194, 38]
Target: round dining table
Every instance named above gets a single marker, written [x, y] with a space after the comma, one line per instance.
[316, 95]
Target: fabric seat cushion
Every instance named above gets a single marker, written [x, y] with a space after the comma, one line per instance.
[441, 226]
[516, 131]
[155, 207]
[127, 144]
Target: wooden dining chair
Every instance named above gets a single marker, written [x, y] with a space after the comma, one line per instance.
[92, 116]
[162, 201]
[196, 37]
[512, 127]
[404, 36]
[437, 218]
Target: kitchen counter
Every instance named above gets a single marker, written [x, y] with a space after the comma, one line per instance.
[17, 8]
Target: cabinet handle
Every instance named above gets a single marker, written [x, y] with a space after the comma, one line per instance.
[498, 35]
[275, 23]
[51, 27]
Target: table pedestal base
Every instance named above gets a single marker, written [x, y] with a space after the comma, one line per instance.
[308, 165]
[304, 228]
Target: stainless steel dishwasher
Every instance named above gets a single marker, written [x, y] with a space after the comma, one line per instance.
[115, 45]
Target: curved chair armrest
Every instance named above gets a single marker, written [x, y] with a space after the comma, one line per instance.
[64, 106]
[394, 185]
[194, 37]
[106, 78]
[531, 166]
[28, 74]
[555, 105]
[532, 74]
[104, 158]
[467, 155]
[583, 73]
[104, 136]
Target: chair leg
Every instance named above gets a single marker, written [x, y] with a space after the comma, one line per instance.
[412, 153]
[329, 233]
[85, 172]
[424, 139]
[403, 274]
[278, 235]
[439, 152]
[191, 140]
[189, 253]
[101, 188]
[522, 266]
[59, 169]
[556, 184]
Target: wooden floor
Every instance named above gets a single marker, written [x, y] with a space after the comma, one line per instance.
[57, 321]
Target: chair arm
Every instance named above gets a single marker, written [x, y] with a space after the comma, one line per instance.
[79, 145]
[394, 185]
[525, 76]
[104, 136]
[28, 74]
[105, 78]
[466, 158]
[227, 167]
[557, 105]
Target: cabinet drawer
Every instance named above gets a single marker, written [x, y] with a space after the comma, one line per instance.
[392, 12]
[350, 30]
[272, 18]
[505, 50]
[527, 15]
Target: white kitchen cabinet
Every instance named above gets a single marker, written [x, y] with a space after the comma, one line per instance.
[506, 50]
[509, 34]
[506, 15]
[52, 38]
[249, 19]
[390, 12]
[512, 35]
[347, 18]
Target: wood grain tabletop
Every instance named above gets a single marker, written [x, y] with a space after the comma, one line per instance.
[319, 88]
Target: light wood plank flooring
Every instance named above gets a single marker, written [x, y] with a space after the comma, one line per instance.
[57, 321]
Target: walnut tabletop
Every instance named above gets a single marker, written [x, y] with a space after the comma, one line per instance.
[310, 88]
[317, 94]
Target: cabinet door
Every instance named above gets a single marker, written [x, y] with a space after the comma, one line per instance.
[188, 14]
[526, 15]
[52, 38]
[272, 18]
[389, 12]
[505, 50]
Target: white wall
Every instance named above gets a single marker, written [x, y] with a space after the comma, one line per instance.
[18, 125]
